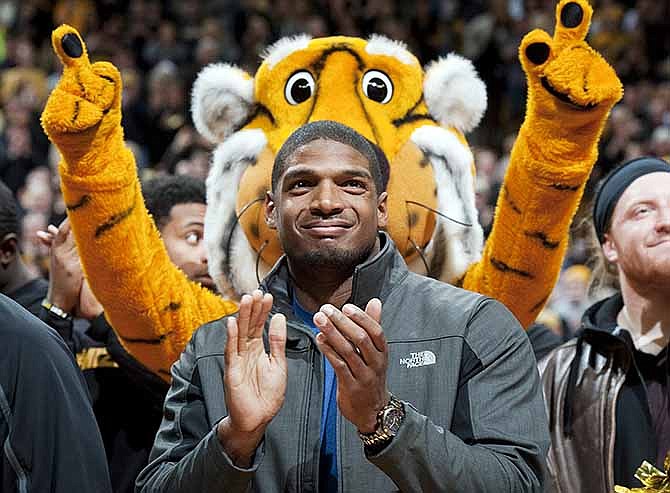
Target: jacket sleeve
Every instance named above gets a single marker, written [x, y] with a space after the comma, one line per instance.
[187, 455]
[498, 438]
[64, 327]
[54, 435]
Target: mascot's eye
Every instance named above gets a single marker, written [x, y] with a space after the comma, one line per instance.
[377, 86]
[299, 88]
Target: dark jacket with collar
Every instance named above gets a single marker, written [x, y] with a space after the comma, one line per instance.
[460, 362]
[31, 294]
[51, 443]
[590, 392]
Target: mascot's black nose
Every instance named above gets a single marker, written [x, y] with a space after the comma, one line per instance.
[72, 45]
[572, 15]
[537, 52]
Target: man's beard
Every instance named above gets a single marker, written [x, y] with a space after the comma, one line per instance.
[333, 257]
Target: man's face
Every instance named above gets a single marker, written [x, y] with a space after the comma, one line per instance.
[325, 206]
[182, 235]
[638, 241]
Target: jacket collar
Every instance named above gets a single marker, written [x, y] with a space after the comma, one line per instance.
[599, 326]
[376, 277]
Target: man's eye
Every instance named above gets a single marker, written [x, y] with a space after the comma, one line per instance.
[641, 211]
[354, 184]
[192, 238]
[299, 184]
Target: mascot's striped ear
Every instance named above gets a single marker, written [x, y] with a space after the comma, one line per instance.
[454, 93]
[222, 101]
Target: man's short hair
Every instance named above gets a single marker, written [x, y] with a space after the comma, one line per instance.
[9, 212]
[330, 130]
[161, 194]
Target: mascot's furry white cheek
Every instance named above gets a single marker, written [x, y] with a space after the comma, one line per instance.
[453, 246]
[229, 253]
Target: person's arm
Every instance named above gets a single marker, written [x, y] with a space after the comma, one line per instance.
[63, 326]
[154, 387]
[499, 436]
[150, 302]
[65, 282]
[55, 434]
[189, 454]
[550, 163]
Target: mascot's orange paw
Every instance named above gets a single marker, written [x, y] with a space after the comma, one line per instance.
[85, 107]
[564, 72]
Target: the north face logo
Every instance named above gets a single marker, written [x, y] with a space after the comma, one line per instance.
[421, 358]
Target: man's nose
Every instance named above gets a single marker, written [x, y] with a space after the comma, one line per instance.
[202, 252]
[663, 219]
[326, 200]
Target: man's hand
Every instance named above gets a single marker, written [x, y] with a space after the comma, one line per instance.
[89, 307]
[255, 381]
[354, 343]
[68, 288]
[65, 274]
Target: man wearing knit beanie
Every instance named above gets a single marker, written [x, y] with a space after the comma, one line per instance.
[607, 389]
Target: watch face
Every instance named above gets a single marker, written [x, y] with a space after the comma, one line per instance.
[391, 420]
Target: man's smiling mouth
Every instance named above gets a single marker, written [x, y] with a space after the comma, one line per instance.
[564, 97]
[327, 228]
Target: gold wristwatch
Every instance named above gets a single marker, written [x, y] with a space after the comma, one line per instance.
[389, 419]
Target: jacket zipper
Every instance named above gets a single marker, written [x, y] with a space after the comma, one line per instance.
[609, 466]
[305, 427]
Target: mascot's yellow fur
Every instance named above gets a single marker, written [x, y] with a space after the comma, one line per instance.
[376, 87]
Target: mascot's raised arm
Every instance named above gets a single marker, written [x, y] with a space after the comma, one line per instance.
[418, 118]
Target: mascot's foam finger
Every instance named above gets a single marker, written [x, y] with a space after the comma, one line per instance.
[85, 93]
[69, 47]
[573, 19]
[535, 52]
[109, 85]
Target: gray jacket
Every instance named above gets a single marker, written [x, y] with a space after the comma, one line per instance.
[475, 419]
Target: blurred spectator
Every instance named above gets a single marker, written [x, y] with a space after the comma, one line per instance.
[571, 298]
[167, 108]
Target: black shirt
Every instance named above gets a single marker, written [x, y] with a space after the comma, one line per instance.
[31, 294]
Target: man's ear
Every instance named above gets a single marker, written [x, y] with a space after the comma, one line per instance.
[270, 211]
[9, 249]
[382, 210]
[610, 250]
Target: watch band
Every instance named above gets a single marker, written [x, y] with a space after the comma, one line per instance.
[56, 310]
[377, 440]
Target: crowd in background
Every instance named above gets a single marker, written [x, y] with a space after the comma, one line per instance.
[161, 46]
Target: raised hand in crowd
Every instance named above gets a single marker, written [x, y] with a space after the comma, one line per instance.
[254, 381]
[68, 288]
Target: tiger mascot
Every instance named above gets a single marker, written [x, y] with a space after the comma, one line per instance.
[417, 117]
